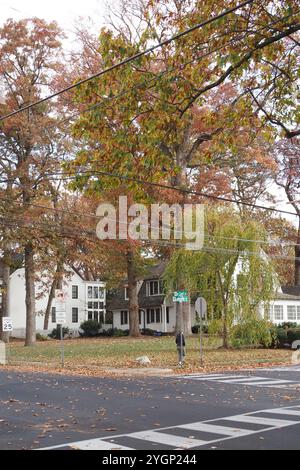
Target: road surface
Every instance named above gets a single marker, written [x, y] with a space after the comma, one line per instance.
[253, 409]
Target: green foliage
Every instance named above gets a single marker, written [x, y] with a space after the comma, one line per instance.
[288, 324]
[90, 328]
[196, 329]
[293, 335]
[252, 332]
[119, 333]
[55, 334]
[40, 337]
[231, 298]
[284, 334]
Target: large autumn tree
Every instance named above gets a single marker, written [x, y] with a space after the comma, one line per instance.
[30, 52]
[152, 118]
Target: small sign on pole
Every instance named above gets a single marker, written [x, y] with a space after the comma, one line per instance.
[7, 324]
[60, 297]
[61, 317]
[180, 296]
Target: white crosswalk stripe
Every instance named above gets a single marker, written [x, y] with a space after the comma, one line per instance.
[258, 420]
[169, 439]
[238, 379]
[211, 431]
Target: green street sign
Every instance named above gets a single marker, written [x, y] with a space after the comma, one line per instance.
[180, 296]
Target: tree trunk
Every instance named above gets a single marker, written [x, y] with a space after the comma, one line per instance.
[134, 328]
[30, 296]
[297, 257]
[183, 318]
[225, 329]
[56, 283]
[4, 312]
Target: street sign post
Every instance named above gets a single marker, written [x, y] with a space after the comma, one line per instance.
[7, 324]
[180, 296]
[201, 309]
[60, 298]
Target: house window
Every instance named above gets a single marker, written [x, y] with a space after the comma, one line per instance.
[168, 314]
[74, 292]
[124, 317]
[140, 317]
[278, 312]
[157, 315]
[53, 314]
[74, 315]
[126, 293]
[291, 312]
[155, 287]
[153, 315]
[95, 292]
[298, 312]
[95, 304]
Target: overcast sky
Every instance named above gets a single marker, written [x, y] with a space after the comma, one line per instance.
[65, 12]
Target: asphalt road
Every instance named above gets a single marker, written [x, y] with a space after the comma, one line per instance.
[239, 410]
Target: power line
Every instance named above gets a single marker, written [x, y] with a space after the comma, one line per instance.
[90, 173]
[103, 102]
[61, 176]
[165, 72]
[64, 234]
[129, 59]
[93, 216]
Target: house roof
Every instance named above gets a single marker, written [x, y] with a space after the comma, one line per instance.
[291, 290]
[116, 300]
[284, 296]
[156, 271]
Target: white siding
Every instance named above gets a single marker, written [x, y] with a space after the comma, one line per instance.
[153, 326]
[17, 309]
[283, 306]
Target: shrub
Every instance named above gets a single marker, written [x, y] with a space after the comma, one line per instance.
[251, 332]
[196, 328]
[293, 334]
[55, 333]
[120, 332]
[90, 328]
[283, 335]
[40, 337]
[108, 332]
[287, 325]
[148, 332]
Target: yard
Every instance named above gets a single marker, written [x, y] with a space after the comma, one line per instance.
[103, 355]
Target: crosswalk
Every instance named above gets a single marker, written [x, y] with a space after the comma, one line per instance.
[237, 379]
[194, 435]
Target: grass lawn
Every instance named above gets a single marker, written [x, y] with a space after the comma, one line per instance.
[105, 353]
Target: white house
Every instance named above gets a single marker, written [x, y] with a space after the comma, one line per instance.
[285, 307]
[83, 300]
[156, 311]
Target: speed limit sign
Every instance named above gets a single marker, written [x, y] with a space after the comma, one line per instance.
[7, 324]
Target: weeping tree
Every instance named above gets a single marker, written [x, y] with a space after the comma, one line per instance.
[232, 272]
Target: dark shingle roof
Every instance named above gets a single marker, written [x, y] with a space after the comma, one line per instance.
[116, 300]
[291, 290]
